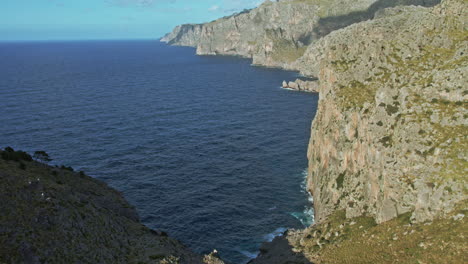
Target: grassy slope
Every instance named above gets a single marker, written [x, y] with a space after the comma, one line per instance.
[60, 216]
[360, 240]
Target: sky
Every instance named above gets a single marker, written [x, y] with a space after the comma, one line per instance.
[107, 19]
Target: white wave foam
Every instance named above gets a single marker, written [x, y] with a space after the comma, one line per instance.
[272, 235]
[272, 208]
[250, 255]
[307, 216]
[304, 181]
[286, 88]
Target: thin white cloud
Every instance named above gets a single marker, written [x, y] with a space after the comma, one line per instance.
[231, 6]
[177, 9]
[213, 8]
[141, 3]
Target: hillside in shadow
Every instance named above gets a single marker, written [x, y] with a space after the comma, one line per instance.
[329, 24]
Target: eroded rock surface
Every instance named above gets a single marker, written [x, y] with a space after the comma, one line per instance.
[302, 85]
[390, 134]
[277, 33]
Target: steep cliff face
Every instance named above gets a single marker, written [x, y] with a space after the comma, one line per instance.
[388, 151]
[390, 134]
[277, 33]
[184, 35]
[273, 34]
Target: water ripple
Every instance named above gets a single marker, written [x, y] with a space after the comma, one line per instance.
[206, 148]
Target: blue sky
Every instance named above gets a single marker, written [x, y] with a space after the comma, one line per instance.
[106, 19]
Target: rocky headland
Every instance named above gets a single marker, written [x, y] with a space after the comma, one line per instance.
[388, 150]
[278, 33]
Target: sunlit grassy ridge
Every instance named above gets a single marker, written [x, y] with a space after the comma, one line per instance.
[360, 240]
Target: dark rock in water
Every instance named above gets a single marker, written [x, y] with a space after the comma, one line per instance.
[278, 251]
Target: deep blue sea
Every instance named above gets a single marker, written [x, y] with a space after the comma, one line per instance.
[208, 148]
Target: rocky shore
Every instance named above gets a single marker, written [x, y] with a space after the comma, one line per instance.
[300, 85]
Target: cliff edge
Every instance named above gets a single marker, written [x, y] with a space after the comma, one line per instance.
[388, 151]
[277, 33]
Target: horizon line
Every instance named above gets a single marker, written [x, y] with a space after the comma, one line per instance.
[77, 39]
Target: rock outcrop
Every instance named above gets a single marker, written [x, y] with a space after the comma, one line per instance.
[55, 215]
[301, 85]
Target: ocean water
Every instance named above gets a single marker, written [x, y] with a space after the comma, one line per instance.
[207, 148]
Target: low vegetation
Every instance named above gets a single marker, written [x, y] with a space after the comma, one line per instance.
[52, 214]
[361, 240]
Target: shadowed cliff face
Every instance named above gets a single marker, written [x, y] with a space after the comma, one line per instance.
[325, 25]
[279, 251]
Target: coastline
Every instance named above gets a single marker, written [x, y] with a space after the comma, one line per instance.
[386, 177]
[363, 155]
[277, 241]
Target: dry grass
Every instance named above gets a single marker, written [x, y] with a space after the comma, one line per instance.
[360, 240]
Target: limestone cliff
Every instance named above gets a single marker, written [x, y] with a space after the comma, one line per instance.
[390, 134]
[277, 33]
[388, 151]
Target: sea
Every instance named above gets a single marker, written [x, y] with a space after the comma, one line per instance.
[209, 149]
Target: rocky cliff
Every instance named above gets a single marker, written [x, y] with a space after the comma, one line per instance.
[277, 33]
[388, 148]
[390, 132]
[55, 215]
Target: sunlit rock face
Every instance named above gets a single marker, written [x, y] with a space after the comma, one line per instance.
[390, 135]
[277, 33]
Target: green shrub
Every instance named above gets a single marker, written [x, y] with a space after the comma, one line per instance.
[42, 156]
[10, 154]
